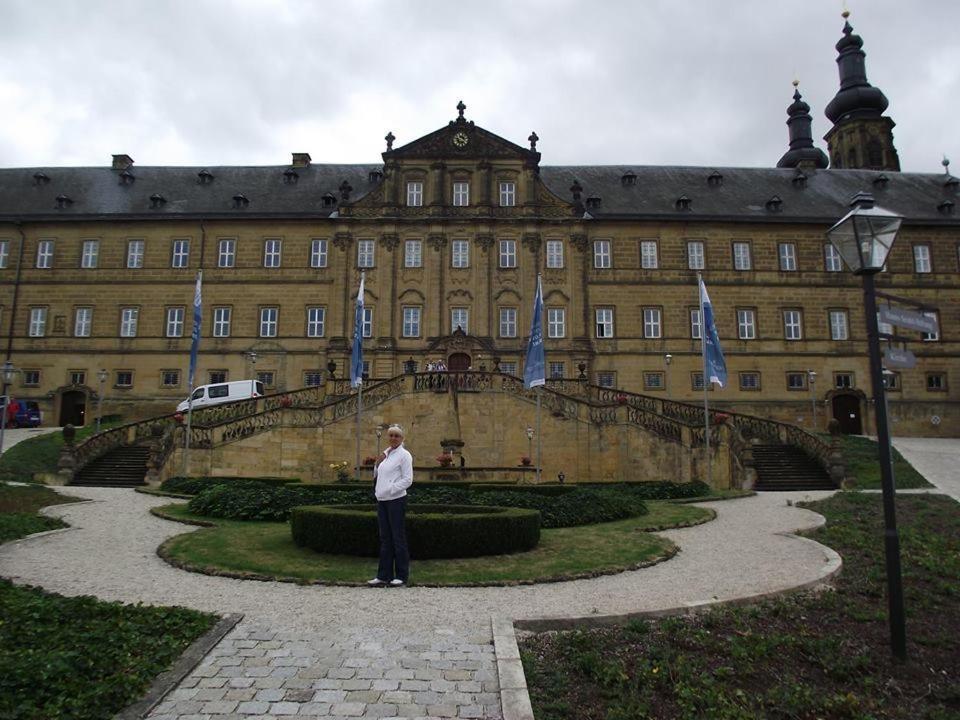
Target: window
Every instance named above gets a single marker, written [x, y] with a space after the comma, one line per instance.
[652, 326]
[170, 378]
[607, 379]
[788, 257]
[461, 194]
[891, 381]
[792, 325]
[312, 378]
[556, 370]
[135, 253]
[695, 255]
[217, 376]
[180, 255]
[365, 253]
[271, 252]
[318, 253]
[226, 253]
[124, 378]
[460, 253]
[267, 377]
[128, 322]
[741, 256]
[653, 381]
[832, 262]
[508, 194]
[749, 381]
[82, 321]
[414, 194]
[459, 319]
[508, 253]
[31, 378]
[411, 321]
[554, 253]
[838, 325]
[746, 324]
[221, 322]
[696, 381]
[934, 336]
[796, 381]
[843, 380]
[45, 254]
[556, 322]
[367, 329]
[508, 322]
[90, 254]
[4, 253]
[268, 321]
[936, 382]
[604, 322]
[38, 322]
[695, 324]
[921, 259]
[648, 255]
[413, 253]
[508, 368]
[175, 317]
[601, 254]
[316, 318]
[78, 377]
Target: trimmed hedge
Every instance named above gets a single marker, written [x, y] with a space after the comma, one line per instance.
[196, 485]
[662, 490]
[543, 489]
[246, 501]
[433, 531]
[583, 506]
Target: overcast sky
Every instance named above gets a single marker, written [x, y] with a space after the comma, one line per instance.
[642, 82]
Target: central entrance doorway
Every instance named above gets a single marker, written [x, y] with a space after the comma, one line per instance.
[846, 411]
[459, 362]
[73, 408]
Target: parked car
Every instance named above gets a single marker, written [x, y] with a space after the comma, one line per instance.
[22, 413]
[216, 393]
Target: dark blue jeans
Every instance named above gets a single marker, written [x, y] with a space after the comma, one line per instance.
[394, 555]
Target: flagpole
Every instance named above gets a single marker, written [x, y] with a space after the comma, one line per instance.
[539, 438]
[356, 365]
[192, 369]
[359, 411]
[703, 357]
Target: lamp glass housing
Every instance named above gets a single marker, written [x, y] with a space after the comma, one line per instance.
[9, 372]
[864, 236]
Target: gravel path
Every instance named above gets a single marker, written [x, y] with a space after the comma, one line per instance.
[937, 459]
[336, 652]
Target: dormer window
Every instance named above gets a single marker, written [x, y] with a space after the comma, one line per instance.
[205, 177]
[63, 202]
[414, 194]
[374, 176]
[40, 178]
[461, 194]
[240, 201]
[682, 203]
[127, 177]
[799, 180]
[880, 181]
[157, 201]
[628, 179]
[951, 183]
[290, 176]
[714, 179]
[774, 204]
[593, 202]
[328, 200]
[946, 207]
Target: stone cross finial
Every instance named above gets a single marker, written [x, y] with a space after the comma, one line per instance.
[389, 138]
[533, 140]
[460, 108]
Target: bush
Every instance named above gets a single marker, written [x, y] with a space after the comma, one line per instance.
[583, 506]
[246, 501]
[433, 531]
[196, 485]
[662, 490]
[543, 489]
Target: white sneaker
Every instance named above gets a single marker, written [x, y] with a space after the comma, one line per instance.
[376, 582]
[396, 582]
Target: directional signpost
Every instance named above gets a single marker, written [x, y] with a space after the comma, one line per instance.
[898, 358]
[909, 319]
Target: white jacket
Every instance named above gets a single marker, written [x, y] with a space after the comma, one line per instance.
[394, 474]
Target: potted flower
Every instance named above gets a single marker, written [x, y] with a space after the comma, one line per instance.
[340, 468]
[720, 417]
[445, 459]
[286, 401]
[622, 399]
[178, 417]
[525, 461]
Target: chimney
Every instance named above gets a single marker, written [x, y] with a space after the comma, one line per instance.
[122, 162]
[301, 160]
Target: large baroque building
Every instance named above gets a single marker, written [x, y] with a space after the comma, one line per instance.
[98, 266]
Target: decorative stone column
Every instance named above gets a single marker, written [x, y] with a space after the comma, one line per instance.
[67, 464]
[836, 466]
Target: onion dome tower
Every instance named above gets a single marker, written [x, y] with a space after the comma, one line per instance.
[802, 153]
[861, 136]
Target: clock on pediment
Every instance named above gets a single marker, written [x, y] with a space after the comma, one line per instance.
[460, 139]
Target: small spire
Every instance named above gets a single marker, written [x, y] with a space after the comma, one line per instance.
[946, 165]
[389, 138]
[460, 108]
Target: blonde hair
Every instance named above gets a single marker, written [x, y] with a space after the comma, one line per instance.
[395, 428]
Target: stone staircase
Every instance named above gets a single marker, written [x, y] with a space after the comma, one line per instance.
[785, 467]
[124, 466]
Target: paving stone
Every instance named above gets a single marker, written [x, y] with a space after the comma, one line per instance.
[285, 708]
[364, 696]
[443, 710]
[356, 684]
[284, 672]
[187, 706]
[298, 683]
[472, 711]
[442, 686]
[348, 709]
[428, 674]
[414, 684]
[457, 675]
[214, 682]
[470, 686]
[369, 673]
[315, 708]
[208, 694]
[398, 674]
[272, 695]
[253, 707]
[384, 684]
[241, 694]
[346, 673]
[326, 684]
[330, 696]
[182, 694]
[220, 707]
[380, 710]
[267, 683]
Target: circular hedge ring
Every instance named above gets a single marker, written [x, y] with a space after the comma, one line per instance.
[433, 531]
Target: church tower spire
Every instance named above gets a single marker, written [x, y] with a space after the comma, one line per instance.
[802, 153]
[861, 136]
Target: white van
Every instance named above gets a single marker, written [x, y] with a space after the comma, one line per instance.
[207, 395]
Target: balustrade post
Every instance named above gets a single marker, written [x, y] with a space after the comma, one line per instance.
[67, 463]
[836, 465]
[154, 458]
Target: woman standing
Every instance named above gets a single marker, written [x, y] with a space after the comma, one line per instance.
[394, 474]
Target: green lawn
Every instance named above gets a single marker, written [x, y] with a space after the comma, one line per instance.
[39, 454]
[266, 548]
[861, 456]
[18, 510]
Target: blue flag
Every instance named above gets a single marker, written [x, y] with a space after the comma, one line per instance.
[356, 355]
[535, 368]
[716, 367]
[195, 341]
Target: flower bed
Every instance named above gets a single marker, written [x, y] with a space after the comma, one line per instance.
[433, 531]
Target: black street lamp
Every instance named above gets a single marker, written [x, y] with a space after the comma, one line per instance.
[102, 376]
[863, 238]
